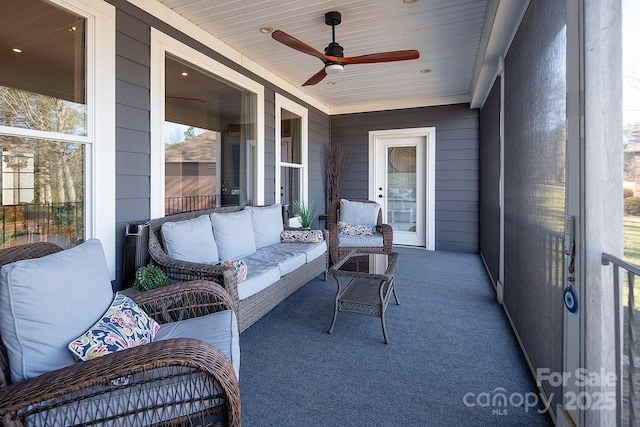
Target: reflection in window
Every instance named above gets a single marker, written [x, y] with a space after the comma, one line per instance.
[209, 140]
[290, 158]
[42, 89]
[401, 188]
[42, 84]
[42, 191]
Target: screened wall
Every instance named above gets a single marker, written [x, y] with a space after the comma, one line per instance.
[534, 183]
[490, 181]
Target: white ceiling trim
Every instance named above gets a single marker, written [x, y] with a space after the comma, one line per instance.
[386, 105]
[508, 15]
[182, 24]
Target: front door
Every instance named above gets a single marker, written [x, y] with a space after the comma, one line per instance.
[400, 183]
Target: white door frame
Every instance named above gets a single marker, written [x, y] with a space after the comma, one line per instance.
[429, 133]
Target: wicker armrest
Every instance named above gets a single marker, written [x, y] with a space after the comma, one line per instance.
[387, 235]
[185, 300]
[334, 239]
[82, 392]
[184, 271]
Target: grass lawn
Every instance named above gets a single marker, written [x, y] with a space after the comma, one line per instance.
[632, 239]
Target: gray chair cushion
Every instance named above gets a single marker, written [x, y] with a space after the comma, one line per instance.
[48, 302]
[359, 213]
[218, 329]
[360, 241]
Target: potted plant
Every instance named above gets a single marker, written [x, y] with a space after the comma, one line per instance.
[150, 277]
[305, 212]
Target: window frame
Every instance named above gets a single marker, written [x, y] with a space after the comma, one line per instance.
[161, 45]
[99, 143]
[295, 108]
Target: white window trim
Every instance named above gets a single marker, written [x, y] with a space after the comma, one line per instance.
[161, 44]
[287, 104]
[100, 158]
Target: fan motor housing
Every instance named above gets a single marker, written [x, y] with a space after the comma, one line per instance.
[334, 49]
[332, 18]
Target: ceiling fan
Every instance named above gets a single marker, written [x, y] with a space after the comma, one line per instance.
[333, 57]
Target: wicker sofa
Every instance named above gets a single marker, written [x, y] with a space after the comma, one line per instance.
[177, 381]
[251, 305]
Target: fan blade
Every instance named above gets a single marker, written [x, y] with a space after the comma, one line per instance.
[316, 78]
[296, 44]
[372, 58]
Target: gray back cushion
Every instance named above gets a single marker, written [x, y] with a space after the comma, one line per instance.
[359, 213]
[234, 234]
[267, 224]
[190, 240]
[48, 302]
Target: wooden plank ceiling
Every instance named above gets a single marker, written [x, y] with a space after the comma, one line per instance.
[451, 37]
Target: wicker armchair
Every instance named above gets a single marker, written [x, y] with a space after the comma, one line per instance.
[180, 381]
[336, 250]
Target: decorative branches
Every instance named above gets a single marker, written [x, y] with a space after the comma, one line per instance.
[335, 159]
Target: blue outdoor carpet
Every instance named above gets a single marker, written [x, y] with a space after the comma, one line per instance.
[452, 359]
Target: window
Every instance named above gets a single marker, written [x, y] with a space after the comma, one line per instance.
[291, 152]
[48, 132]
[210, 139]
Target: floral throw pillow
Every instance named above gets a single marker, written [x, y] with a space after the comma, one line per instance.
[354, 230]
[301, 236]
[124, 325]
[241, 268]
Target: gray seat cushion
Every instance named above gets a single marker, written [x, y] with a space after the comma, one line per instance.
[285, 258]
[359, 241]
[218, 329]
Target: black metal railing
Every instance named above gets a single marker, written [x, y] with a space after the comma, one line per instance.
[626, 325]
[174, 205]
[27, 222]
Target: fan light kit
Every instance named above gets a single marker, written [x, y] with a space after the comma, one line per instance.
[333, 56]
[332, 69]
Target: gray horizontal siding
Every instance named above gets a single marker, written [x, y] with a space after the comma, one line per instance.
[457, 164]
[133, 38]
[133, 59]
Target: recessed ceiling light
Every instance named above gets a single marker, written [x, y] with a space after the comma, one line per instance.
[74, 28]
[409, 1]
[16, 50]
[331, 83]
[266, 30]
[425, 71]
[184, 74]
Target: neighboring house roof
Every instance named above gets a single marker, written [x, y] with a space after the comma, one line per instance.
[632, 134]
[201, 148]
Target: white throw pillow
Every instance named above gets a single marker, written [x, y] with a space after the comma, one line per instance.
[47, 302]
[190, 240]
[267, 224]
[234, 234]
[359, 213]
